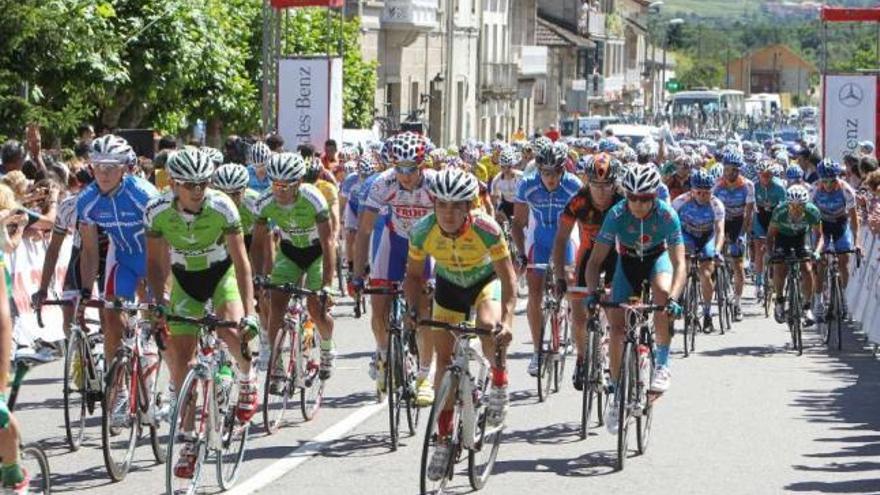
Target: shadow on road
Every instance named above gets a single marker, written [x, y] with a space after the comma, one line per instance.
[850, 410]
[588, 465]
[556, 434]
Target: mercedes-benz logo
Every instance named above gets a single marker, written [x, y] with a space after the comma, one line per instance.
[850, 95]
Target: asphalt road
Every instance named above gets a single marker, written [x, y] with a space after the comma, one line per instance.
[743, 415]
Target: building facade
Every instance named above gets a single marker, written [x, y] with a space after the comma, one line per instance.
[773, 69]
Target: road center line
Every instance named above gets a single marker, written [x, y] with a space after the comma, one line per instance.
[305, 452]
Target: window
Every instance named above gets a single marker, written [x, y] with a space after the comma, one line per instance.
[414, 96]
[540, 91]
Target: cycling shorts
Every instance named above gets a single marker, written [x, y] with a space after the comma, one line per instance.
[390, 253]
[455, 304]
[73, 278]
[703, 246]
[733, 232]
[608, 267]
[840, 233]
[123, 273]
[191, 290]
[761, 223]
[293, 264]
[350, 218]
[632, 272]
[538, 254]
[506, 207]
[786, 243]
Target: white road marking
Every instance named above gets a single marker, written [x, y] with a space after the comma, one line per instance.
[308, 450]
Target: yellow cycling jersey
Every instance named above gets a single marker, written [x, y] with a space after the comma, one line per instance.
[485, 169]
[466, 259]
[328, 190]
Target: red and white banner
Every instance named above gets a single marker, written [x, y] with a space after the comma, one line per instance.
[26, 267]
[850, 113]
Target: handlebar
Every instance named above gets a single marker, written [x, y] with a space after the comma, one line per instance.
[638, 306]
[460, 328]
[393, 289]
[858, 253]
[211, 322]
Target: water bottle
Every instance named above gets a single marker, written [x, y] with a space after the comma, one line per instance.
[644, 373]
[149, 357]
[98, 360]
[223, 382]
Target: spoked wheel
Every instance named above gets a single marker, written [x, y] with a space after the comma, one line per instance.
[394, 386]
[625, 391]
[837, 317]
[281, 361]
[120, 421]
[562, 343]
[429, 483]
[157, 380]
[312, 393]
[795, 319]
[545, 360]
[233, 437]
[643, 422]
[590, 392]
[36, 464]
[411, 370]
[183, 470]
[74, 391]
[487, 439]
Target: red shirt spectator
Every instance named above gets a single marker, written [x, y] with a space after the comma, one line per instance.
[552, 134]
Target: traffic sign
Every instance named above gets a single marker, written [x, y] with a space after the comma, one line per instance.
[673, 85]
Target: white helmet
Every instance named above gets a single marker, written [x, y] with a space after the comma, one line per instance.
[214, 154]
[453, 184]
[190, 165]
[286, 167]
[641, 179]
[230, 177]
[797, 195]
[112, 149]
[259, 153]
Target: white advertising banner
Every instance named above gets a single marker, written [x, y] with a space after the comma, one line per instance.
[309, 100]
[849, 113]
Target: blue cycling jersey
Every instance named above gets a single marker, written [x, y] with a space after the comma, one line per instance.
[255, 182]
[834, 204]
[350, 188]
[661, 227]
[698, 219]
[770, 196]
[120, 214]
[545, 206]
[735, 196]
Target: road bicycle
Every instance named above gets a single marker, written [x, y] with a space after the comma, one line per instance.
[203, 414]
[724, 292]
[691, 302]
[467, 393]
[401, 365]
[555, 336]
[631, 394]
[833, 294]
[294, 362]
[33, 458]
[83, 387]
[594, 368]
[794, 298]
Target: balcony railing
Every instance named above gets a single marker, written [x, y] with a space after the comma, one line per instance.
[416, 15]
[531, 60]
[592, 24]
[499, 77]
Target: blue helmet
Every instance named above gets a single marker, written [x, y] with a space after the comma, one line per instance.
[607, 145]
[794, 173]
[829, 169]
[732, 158]
[701, 179]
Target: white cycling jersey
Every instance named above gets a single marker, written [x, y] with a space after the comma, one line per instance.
[402, 208]
[505, 188]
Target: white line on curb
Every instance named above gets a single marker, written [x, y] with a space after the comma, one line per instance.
[305, 452]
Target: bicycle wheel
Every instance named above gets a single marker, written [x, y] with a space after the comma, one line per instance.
[564, 346]
[837, 316]
[393, 385]
[232, 436]
[158, 383]
[410, 355]
[643, 421]
[340, 276]
[312, 393]
[588, 394]
[74, 391]
[448, 388]
[120, 424]
[36, 464]
[282, 360]
[191, 408]
[624, 393]
[545, 368]
[487, 439]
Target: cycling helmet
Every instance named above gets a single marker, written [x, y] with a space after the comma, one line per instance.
[259, 153]
[214, 154]
[365, 165]
[350, 166]
[313, 170]
[716, 172]
[508, 158]
[453, 184]
[286, 167]
[348, 153]
[542, 143]
[583, 164]
[641, 179]
[607, 145]
[190, 165]
[797, 195]
[385, 153]
[112, 149]
[777, 170]
[230, 177]
[829, 169]
[408, 148]
[765, 166]
[701, 179]
[794, 172]
[628, 155]
[603, 168]
[552, 157]
[732, 157]
[498, 146]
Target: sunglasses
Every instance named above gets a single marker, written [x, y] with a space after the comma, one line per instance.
[551, 173]
[702, 192]
[106, 167]
[602, 185]
[283, 186]
[405, 170]
[189, 186]
[641, 198]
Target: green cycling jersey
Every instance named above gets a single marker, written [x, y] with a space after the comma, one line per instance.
[791, 226]
[298, 221]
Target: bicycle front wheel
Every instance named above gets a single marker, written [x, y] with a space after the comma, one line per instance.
[120, 421]
[643, 421]
[625, 392]
[562, 343]
[487, 439]
[589, 392]
[36, 464]
[157, 386]
[545, 360]
[232, 435]
[188, 434]
[277, 388]
[837, 315]
[393, 386]
[410, 355]
[434, 481]
[312, 392]
[75, 390]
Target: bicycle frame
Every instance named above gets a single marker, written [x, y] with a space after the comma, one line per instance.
[462, 356]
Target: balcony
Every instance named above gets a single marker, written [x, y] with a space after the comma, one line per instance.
[409, 15]
[592, 24]
[531, 60]
[499, 78]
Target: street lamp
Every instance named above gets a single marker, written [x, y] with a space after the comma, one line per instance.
[653, 9]
[672, 22]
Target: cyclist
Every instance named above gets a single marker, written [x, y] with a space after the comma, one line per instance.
[540, 200]
[232, 179]
[396, 200]
[15, 479]
[788, 228]
[505, 184]
[769, 193]
[587, 210]
[349, 191]
[678, 181]
[836, 201]
[114, 202]
[794, 175]
[738, 195]
[258, 156]
[702, 228]
[647, 233]
[328, 190]
[475, 282]
[194, 235]
[307, 252]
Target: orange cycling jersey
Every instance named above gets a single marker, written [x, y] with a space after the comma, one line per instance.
[580, 208]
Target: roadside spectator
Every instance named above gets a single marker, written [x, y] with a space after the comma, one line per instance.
[552, 134]
[275, 142]
[12, 156]
[330, 159]
[85, 133]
